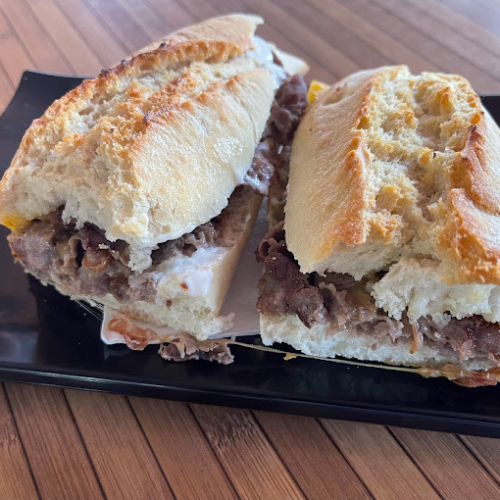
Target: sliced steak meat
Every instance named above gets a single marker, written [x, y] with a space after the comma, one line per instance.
[208, 350]
[470, 336]
[288, 108]
[264, 164]
[187, 244]
[283, 288]
[346, 304]
[84, 262]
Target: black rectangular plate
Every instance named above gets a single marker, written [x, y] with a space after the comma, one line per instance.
[46, 338]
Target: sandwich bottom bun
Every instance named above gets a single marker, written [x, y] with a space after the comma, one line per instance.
[324, 341]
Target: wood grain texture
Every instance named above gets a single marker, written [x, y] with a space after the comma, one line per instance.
[253, 466]
[393, 51]
[93, 31]
[117, 21]
[183, 452]
[392, 475]
[16, 481]
[37, 43]
[311, 456]
[478, 12]
[312, 42]
[121, 454]
[445, 36]
[56, 454]
[486, 451]
[283, 40]
[456, 20]
[72, 46]
[101, 446]
[447, 464]
[13, 56]
[444, 59]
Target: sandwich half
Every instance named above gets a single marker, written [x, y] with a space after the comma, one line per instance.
[389, 247]
[138, 189]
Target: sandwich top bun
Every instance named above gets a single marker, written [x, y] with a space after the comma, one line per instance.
[153, 147]
[388, 165]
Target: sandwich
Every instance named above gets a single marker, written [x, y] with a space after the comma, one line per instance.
[388, 248]
[138, 189]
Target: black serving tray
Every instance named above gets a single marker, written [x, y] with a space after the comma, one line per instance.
[46, 338]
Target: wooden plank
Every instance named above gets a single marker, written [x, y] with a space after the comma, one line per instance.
[487, 451]
[444, 59]
[477, 15]
[451, 38]
[77, 53]
[175, 14]
[253, 467]
[55, 452]
[313, 44]
[6, 89]
[124, 461]
[16, 481]
[202, 9]
[311, 456]
[486, 13]
[146, 18]
[395, 52]
[13, 56]
[385, 468]
[120, 24]
[90, 27]
[182, 450]
[363, 54]
[453, 471]
[468, 28]
[37, 43]
[292, 45]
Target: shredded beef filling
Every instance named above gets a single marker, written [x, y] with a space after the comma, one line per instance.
[346, 304]
[287, 110]
[289, 105]
[206, 350]
[84, 262]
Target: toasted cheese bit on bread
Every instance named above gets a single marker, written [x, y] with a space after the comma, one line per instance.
[315, 89]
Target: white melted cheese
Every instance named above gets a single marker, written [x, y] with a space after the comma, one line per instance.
[264, 55]
[192, 275]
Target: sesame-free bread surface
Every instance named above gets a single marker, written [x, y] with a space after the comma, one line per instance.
[151, 148]
[386, 164]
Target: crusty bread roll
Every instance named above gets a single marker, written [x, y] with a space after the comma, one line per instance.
[393, 216]
[137, 189]
[201, 99]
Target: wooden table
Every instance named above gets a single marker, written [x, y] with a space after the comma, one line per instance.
[66, 444]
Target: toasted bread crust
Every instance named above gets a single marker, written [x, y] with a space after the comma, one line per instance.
[386, 164]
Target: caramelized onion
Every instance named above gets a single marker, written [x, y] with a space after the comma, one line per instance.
[135, 337]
